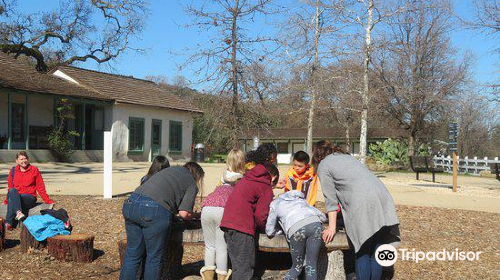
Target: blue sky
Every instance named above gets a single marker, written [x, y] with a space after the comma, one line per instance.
[165, 33]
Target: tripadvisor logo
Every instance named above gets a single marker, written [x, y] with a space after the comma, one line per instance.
[387, 255]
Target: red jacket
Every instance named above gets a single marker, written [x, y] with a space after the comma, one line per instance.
[28, 182]
[247, 207]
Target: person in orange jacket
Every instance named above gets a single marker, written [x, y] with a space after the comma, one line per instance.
[24, 182]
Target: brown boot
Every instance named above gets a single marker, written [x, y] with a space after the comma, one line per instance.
[224, 275]
[207, 272]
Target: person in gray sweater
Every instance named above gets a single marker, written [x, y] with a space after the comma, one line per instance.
[368, 209]
[302, 224]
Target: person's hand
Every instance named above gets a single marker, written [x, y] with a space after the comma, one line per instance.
[328, 235]
[281, 184]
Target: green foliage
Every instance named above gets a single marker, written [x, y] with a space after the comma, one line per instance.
[59, 138]
[61, 145]
[390, 151]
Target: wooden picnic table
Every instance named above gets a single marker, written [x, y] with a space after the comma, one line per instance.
[330, 262]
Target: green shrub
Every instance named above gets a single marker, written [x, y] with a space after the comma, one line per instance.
[389, 151]
[60, 138]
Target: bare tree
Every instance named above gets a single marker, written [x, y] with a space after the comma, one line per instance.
[418, 70]
[486, 16]
[98, 30]
[224, 58]
[476, 120]
[365, 14]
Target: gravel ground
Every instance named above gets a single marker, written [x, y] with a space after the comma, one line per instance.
[425, 229]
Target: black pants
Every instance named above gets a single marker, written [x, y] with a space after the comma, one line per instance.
[241, 251]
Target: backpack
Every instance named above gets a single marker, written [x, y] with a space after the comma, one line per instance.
[12, 171]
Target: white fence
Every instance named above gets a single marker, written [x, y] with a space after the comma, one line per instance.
[465, 165]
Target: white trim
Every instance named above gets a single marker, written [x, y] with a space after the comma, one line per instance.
[62, 75]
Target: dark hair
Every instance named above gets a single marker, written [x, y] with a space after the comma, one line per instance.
[22, 153]
[196, 171]
[322, 149]
[267, 149]
[301, 156]
[256, 157]
[273, 170]
[159, 163]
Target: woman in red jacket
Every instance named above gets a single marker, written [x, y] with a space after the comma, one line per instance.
[24, 182]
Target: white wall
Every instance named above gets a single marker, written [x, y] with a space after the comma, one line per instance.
[121, 115]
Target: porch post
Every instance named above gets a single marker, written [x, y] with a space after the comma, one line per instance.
[26, 123]
[9, 120]
[83, 125]
[54, 112]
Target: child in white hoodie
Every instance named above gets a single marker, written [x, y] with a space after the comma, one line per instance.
[211, 215]
[302, 225]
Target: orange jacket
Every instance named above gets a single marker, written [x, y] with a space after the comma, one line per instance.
[307, 183]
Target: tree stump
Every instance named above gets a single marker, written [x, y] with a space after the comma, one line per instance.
[75, 247]
[331, 265]
[28, 242]
[2, 234]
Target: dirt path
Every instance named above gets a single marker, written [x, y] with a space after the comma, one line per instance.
[475, 193]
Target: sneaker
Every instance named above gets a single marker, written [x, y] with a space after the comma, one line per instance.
[20, 216]
[8, 227]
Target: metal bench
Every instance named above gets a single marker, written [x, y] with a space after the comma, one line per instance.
[495, 169]
[424, 164]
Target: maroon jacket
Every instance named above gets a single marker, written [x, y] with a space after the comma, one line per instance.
[248, 206]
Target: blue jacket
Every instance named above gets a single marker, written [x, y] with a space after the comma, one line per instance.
[292, 212]
[45, 226]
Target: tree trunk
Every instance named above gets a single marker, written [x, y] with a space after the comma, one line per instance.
[28, 242]
[75, 247]
[365, 96]
[411, 145]
[331, 265]
[234, 81]
[347, 140]
[310, 122]
[2, 234]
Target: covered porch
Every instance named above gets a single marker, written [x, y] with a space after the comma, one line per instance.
[27, 118]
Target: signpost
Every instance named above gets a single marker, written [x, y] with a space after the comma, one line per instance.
[453, 147]
[453, 136]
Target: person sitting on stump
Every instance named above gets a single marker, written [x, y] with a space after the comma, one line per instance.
[24, 182]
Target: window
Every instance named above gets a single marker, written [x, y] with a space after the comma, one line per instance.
[282, 148]
[136, 135]
[17, 125]
[175, 137]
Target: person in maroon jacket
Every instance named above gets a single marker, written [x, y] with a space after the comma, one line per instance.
[246, 211]
[23, 183]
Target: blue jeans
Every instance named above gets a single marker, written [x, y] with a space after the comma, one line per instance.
[16, 202]
[148, 226]
[367, 267]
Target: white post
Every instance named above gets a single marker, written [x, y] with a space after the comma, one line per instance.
[108, 165]
[475, 166]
